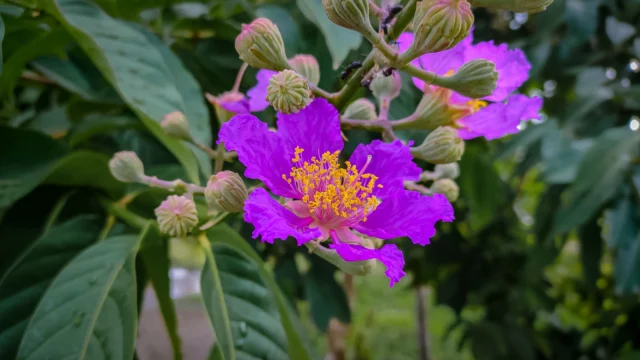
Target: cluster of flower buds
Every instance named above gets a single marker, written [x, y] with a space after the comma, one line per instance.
[288, 92]
[177, 214]
[442, 146]
[362, 109]
[261, 46]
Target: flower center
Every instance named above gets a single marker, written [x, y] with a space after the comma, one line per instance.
[332, 193]
[475, 105]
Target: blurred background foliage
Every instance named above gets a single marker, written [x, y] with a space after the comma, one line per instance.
[542, 262]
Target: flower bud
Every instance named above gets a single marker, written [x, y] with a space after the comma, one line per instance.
[433, 110]
[475, 79]
[518, 6]
[442, 146]
[260, 45]
[438, 25]
[307, 66]
[227, 190]
[176, 125]
[386, 87]
[446, 187]
[350, 14]
[126, 167]
[177, 215]
[361, 109]
[288, 92]
[447, 171]
[223, 104]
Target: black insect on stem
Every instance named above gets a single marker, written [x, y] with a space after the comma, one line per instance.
[388, 71]
[392, 11]
[349, 69]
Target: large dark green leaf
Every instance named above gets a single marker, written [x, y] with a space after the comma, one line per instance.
[89, 311]
[30, 274]
[627, 269]
[155, 256]
[140, 71]
[1, 38]
[590, 251]
[86, 168]
[318, 282]
[339, 40]
[224, 235]
[51, 42]
[599, 177]
[622, 222]
[26, 158]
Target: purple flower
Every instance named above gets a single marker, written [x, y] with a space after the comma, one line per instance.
[325, 200]
[493, 116]
[238, 103]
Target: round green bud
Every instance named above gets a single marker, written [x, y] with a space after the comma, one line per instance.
[447, 171]
[176, 125]
[386, 87]
[442, 146]
[475, 79]
[350, 14]
[288, 92]
[127, 167]
[446, 187]
[307, 66]
[361, 109]
[260, 45]
[518, 6]
[227, 190]
[438, 25]
[177, 215]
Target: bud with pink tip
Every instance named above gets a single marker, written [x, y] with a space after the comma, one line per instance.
[176, 125]
[177, 215]
[261, 46]
[350, 14]
[307, 66]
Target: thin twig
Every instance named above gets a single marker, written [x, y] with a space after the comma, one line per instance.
[236, 84]
[219, 159]
[423, 334]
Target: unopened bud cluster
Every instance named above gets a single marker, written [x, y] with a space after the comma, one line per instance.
[126, 167]
[361, 109]
[446, 187]
[288, 92]
[350, 14]
[226, 190]
[442, 146]
[475, 79]
[260, 45]
[307, 66]
[176, 125]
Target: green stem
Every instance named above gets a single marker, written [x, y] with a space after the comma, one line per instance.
[402, 21]
[376, 125]
[318, 92]
[219, 159]
[128, 217]
[350, 267]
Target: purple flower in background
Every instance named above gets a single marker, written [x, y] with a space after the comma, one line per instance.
[325, 200]
[496, 115]
[238, 103]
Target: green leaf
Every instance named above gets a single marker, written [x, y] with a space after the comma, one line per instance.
[140, 71]
[481, 187]
[599, 177]
[318, 282]
[622, 222]
[89, 311]
[618, 31]
[26, 158]
[223, 234]
[590, 251]
[339, 40]
[100, 124]
[156, 263]
[215, 303]
[1, 38]
[73, 78]
[29, 275]
[51, 42]
[86, 168]
[627, 268]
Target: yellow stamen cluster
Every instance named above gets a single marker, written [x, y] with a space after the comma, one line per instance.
[329, 190]
[476, 105]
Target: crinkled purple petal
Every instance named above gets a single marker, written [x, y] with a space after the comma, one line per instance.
[273, 221]
[389, 255]
[500, 119]
[237, 107]
[258, 94]
[392, 163]
[512, 66]
[407, 213]
[315, 129]
[263, 152]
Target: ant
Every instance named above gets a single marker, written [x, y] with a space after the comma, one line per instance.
[388, 71]
[392, 11]
[347, 71]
